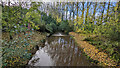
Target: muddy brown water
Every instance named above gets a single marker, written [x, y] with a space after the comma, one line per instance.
[59, 51]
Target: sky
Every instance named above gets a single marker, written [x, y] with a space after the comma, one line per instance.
[69, 8]
[62, 0]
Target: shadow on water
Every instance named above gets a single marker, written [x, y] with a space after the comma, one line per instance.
[59, 51]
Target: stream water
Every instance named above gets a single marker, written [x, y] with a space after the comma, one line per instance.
[59, 51]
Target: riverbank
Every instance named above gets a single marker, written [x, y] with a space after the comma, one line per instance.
[92, 51]
[19, 50]
[60, 50]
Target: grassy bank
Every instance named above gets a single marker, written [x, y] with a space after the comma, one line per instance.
[19, 50]
[92, 51]
[106, 45]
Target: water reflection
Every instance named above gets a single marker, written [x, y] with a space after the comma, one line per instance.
[59, 51]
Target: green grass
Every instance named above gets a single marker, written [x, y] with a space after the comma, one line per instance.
[108, 46]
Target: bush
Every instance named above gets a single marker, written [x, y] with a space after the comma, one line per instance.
[64, 26]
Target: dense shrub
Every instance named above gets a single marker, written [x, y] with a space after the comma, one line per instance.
[65, 27]
[24, 19]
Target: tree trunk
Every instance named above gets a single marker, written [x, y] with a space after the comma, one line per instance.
[94, 11]
[66, 10]
[118, 11]
[70, 11]
[62, 10]
[102, 18]
[108, 11]
[77, 11]
[10, 34]
[73, 10]
[88, 6]
[83, 10]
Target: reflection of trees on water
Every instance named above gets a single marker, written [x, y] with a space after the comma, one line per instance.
[64, 51]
